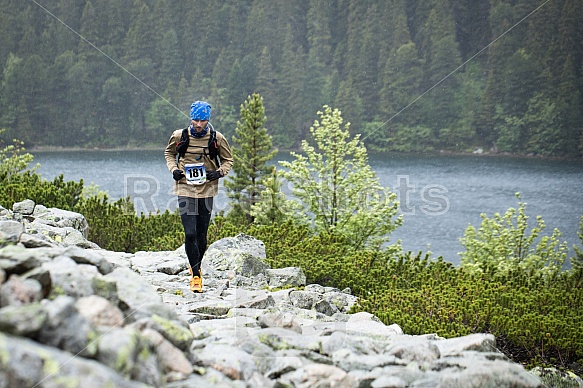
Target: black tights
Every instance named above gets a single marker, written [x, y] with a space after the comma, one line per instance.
[195, 214]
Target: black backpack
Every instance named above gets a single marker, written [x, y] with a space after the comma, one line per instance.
[213, 147]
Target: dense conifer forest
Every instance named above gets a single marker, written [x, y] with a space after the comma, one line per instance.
[409, 75]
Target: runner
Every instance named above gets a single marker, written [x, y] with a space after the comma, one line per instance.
[197, 157]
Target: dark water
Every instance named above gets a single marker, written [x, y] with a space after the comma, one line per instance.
[440, 195]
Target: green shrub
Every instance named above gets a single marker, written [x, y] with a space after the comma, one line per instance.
[29, 185]
[503, 243]
[508, 285]
[116, 226]
[534, 322]
[12, 156]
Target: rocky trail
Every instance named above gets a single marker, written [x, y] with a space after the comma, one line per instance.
[75, 315]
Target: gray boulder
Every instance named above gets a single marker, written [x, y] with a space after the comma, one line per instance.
[119, 349]
[172, 360]
[36, 226]
[25, 207]
[4, 213]
[290, 276]
[229, 360]
[17, 291]
[66, 329]
[304, 299]
[70, 278]
[320, 375]
[36, 241]
[482, 369]
[28, 363]
[89, 256]
[240, 255]
[175, 332]
[61, 219]
[10, 232]
[17, 260]
[22, 320]
[138, 299]
[100, 312]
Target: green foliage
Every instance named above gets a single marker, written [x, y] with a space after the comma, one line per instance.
[377, 61]
[253, 151]
[13, 159]
[29, 185]
[509, 283]
[116, 226]
[577, 260]
[273, 207]
[503, 243]
[18, 184]
[411, 139]
[535, 323]
[336, 184]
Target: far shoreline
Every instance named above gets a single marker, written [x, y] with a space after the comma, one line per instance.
[41, 149]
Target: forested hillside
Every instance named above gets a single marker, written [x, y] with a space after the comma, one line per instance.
[100, 73]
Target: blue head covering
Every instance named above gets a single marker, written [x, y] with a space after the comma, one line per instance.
[200, 110]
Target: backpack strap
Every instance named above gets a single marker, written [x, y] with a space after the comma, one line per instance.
[182, 144]
[213, 147]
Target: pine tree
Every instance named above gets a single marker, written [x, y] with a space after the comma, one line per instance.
[273, 207]
[319, 58]
[338, 187]
[81, 98]
[253, 151]
[401, 83]
[263, 16]
[11, 28]
[472, 29]
[356, 76]
[140, 38]
[172, 64]
[577, 260]
[487, 118]
[569, 102]
[266, 79]
[290, 104]
[13, 115]
[91, 29]
[441, 58]
[400, 34]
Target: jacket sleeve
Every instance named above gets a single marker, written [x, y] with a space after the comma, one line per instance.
[170, 153]
[225, 155]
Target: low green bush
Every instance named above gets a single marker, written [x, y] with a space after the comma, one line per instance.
[116, 226]
[535, 313]
[535, 322]
[29, 185]
[505, 242]
[537, 317]
[17, 183]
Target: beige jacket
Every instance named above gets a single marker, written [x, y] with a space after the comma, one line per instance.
[198, 153]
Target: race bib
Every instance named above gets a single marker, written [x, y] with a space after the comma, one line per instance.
[195, 174]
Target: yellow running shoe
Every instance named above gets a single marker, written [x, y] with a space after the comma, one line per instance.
[196, 282]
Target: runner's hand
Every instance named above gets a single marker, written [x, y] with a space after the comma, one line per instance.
[213, 175]
[177, 175]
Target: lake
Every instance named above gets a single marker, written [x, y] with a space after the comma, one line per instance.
[440, 195]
